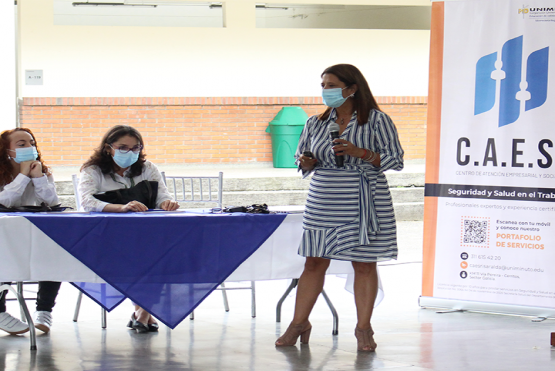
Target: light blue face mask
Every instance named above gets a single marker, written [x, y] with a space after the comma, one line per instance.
[25, 154]
[124, 160]
[334, 97]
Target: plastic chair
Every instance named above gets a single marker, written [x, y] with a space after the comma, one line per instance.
[195, 189]
[201, 189]
[75, 180]
[25, 315]
[20, 291]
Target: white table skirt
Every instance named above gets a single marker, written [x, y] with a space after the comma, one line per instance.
[27, 254]
[30, 255]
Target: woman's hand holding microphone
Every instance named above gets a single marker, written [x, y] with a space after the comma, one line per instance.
[343, 147]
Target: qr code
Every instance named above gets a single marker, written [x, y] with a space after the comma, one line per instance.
[475, 231]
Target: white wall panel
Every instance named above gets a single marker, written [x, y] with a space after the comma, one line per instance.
[8, 108]
[239, 60]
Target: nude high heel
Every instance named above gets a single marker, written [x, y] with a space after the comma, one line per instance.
[365, 340]
[289, 338]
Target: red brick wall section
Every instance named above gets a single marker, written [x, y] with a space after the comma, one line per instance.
[190, 130]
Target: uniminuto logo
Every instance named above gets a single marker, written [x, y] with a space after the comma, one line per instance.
[526, 10]
[503, 79]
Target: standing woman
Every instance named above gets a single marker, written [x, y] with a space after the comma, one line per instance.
[349, 212]
[26, 181]
[119, 162]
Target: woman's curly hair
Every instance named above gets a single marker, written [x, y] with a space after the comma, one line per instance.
[102, 158]
[6, 167]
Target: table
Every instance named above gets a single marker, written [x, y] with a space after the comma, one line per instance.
[190, 253]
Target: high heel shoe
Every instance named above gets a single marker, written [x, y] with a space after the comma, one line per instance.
[140, 327]
[365, 340]
[289, 338]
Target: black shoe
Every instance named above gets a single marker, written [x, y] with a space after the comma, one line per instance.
[153, 327]
[141, 328]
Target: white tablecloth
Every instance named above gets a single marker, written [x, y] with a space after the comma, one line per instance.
[27, 254]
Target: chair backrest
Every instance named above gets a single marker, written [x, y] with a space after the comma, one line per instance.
[75, 180]
[195, 188]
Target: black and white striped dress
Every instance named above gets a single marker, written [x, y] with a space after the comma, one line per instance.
[349, 213]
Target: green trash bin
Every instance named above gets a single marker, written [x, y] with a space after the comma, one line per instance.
[285, 130]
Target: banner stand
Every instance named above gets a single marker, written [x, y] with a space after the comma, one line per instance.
[489, 206]
[484, 307]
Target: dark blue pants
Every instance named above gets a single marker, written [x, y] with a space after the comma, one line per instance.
[46, 296]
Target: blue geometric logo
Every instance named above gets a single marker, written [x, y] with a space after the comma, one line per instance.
[519, 91]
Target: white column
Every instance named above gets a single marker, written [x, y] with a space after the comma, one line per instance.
[8, 98]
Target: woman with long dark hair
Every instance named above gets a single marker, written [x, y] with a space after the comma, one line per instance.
[348, 213]
[26, 181]
[119, 162]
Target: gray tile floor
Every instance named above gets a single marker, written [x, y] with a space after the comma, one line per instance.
[408, 337]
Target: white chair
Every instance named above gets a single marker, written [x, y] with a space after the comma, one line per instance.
[195, 189]
[21, 291]
[204, 189]
[75, 180]
[25, 315]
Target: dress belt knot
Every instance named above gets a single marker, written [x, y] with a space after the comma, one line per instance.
[369, 225]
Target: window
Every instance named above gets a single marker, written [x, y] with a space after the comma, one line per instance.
[137, 13]
[276, 15]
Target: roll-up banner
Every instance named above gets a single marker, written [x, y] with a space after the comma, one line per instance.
[489, 214]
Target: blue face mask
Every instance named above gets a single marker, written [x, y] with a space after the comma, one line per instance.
[25, 154]
[124, 160]
[334, 97]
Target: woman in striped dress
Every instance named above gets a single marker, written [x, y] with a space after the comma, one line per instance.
[349, 212]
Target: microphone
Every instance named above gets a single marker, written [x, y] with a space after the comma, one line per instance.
[333, 129]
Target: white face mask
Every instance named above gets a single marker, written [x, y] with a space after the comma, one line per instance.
[124, 160]
[334, 97]
[25, 154]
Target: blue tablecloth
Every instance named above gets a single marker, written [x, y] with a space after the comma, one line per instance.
[165, 262]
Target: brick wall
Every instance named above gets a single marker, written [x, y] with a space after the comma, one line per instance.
[189, 130]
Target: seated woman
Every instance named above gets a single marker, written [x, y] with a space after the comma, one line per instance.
[119, 162]
[25, 181]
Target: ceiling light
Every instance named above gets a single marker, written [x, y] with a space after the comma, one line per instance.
[114, 4]
[258, 6]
